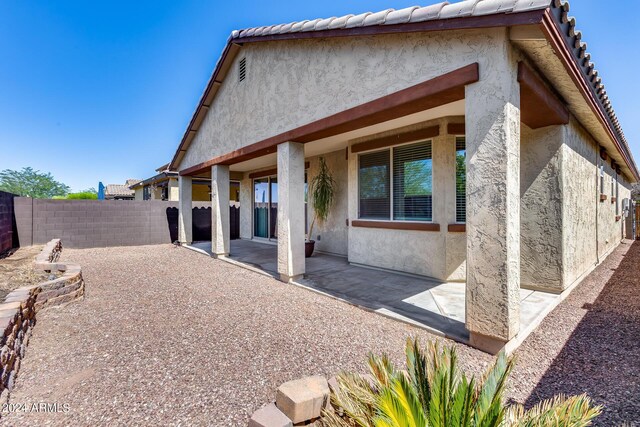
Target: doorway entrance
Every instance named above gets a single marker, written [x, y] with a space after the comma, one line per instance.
[265, 208]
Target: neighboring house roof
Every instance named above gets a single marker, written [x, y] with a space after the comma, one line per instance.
[442, 16]
[156, 178]
[163, 168]
[121, 190]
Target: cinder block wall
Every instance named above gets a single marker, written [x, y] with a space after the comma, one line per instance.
[23, 207]
[6, 222]
[97, 223]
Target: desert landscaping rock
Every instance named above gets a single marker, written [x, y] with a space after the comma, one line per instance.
[167, 336]
[303, 399]
[269, 416]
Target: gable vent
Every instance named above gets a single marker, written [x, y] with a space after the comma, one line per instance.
[242, 70]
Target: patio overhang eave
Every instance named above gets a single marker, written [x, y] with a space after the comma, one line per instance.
[441, 90]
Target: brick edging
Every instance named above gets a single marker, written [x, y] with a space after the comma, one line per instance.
[20, 306]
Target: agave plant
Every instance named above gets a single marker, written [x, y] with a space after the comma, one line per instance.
[433, 392]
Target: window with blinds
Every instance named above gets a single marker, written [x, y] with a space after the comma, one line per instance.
[461, 180]
[397, 184]
[374, 185]
[413, 182]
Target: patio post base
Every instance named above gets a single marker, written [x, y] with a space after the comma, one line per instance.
[287, 279]
[485, 343]
[223, 255]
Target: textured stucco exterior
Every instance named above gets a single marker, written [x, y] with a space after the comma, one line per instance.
[492, 124]
[174, 191]
[333, 233]
[220, 225]
[590, 230]
[281, 90]
[185, 214]
[541, 195]
[291, 217]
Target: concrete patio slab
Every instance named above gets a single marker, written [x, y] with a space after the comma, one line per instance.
[436, 306]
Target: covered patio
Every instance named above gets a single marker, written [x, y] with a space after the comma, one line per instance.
[436, 306]
[412, 205]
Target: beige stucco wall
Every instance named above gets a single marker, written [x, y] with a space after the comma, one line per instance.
[566, 230]
[590, 229]
[541, 207]
[281, 90]
[246, 207]
[174, 191]
[333, 233]
[139, 193]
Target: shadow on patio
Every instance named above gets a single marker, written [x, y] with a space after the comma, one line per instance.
[424, 302]
[602, 355]
[433, 305]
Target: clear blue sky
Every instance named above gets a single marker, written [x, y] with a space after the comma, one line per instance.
[103, 90]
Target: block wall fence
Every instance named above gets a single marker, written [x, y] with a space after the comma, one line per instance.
[104, 223]
[8, 237]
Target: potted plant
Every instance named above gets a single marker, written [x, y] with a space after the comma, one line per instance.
[322, 190]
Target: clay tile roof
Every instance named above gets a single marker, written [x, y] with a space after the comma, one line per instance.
[121, 189]
[444, 10]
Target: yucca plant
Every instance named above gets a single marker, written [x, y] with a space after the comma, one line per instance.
[434, 392]
[323, 191]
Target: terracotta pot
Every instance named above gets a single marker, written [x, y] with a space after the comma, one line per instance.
[308, 248]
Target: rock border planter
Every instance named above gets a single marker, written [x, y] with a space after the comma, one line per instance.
[19, 309]
[298, 403]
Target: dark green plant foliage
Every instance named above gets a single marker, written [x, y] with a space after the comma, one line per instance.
[31, 183]
[323, 190]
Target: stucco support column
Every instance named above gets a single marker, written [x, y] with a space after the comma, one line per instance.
[492, 118]
[185, 213]
[173, 191]
[291, 261]
[246, 207]
[220, 227]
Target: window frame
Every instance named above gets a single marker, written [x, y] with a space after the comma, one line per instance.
[390, 149]
[455, 173]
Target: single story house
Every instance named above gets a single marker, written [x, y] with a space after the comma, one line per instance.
[471, 141]
[120, 191]
[164, 186]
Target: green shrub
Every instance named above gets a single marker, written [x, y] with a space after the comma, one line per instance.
[433, 392]
[83, 195]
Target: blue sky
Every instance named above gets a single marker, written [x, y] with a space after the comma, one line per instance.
[103, 90]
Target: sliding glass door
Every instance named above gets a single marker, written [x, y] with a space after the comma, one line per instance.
[265, 207]
[261, 208]
[273, 209]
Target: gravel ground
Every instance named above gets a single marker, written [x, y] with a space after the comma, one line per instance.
[166, 336]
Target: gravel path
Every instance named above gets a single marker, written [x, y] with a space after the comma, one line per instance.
[166, 336]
